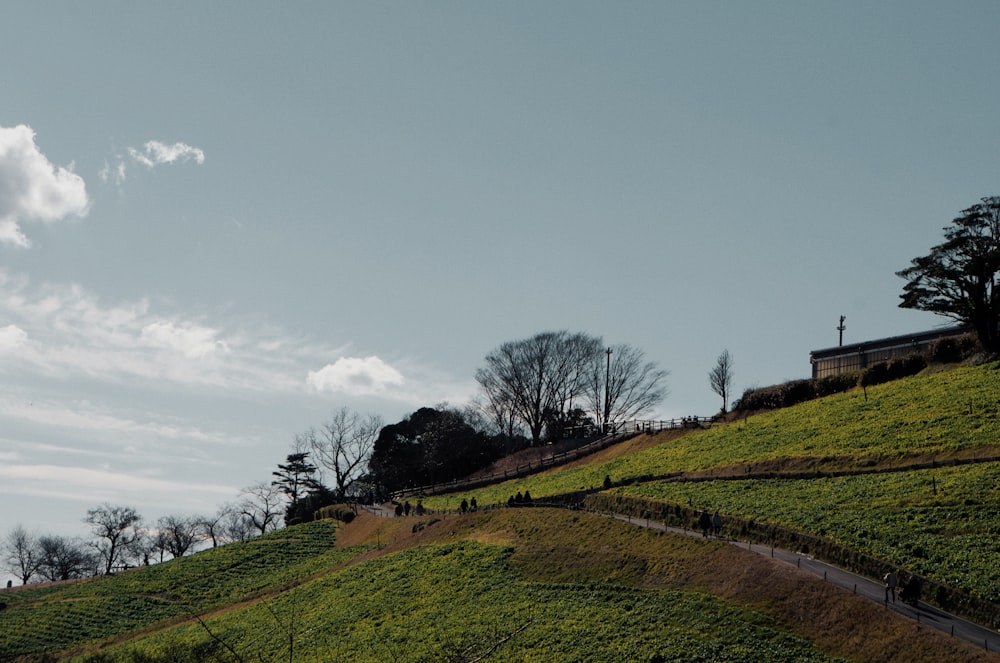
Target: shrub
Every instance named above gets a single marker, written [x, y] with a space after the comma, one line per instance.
[341, 512]
[836, 384]
[952, 349]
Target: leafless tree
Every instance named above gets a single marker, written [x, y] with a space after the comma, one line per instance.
[534, 378]
[23, 557]
[262, 505]
[179, 534]
[721, 377]
[343, 446]
[61, 558]
[622, 385]
[117, 528]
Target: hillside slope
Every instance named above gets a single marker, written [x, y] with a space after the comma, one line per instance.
[544, 585]
[552, 584]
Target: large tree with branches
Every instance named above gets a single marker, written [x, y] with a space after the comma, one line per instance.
[343, 446]
[958, 278]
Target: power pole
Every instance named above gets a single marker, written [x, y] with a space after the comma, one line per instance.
[841, 329]
[607, 391]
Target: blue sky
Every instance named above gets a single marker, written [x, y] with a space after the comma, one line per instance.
[220, 222]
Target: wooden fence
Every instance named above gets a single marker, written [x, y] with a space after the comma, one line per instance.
[619, 431]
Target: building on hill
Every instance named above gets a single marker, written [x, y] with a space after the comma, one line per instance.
[859, 356]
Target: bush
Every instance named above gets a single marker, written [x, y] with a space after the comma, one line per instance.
[895, 369]
[836, 384]
[341, 512]
[952, 349]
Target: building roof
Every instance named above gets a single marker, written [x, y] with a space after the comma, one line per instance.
[887, 343]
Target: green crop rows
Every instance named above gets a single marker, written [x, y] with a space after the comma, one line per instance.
[61, 617]
[941, 523]
[435, 603]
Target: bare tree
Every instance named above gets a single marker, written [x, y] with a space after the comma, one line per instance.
[64, 559]
[343, 446]
[534, 378]
[262, 505]
[117, 528]
[721, 377]
[622, 384]
[179, 534]
[23, 557]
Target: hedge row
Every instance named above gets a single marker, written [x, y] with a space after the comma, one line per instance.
[950, 349]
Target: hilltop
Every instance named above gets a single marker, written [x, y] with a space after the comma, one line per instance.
[547, 584]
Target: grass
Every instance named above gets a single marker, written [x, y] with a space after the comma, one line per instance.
[951, 414]
[511, 584]
[65, 616]
[940, 523]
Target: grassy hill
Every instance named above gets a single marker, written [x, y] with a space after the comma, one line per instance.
[551, 584]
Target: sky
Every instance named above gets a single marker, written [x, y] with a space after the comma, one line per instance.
[221, 222]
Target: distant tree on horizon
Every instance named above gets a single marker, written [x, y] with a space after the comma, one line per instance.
[543, 379]
[958, 279]
[22, 554]
[117, 528]
[622, 384]
[721, 378]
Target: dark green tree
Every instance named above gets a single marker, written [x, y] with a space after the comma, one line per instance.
[429, 446]
[958, 278]
[296, 477]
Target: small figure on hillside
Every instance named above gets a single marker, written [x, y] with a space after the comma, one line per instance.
[472, 505]
[704, 522]
[406, 508]
[420, 508]
[890, 585]
[464, 506]
[399, 510]
[716, 524]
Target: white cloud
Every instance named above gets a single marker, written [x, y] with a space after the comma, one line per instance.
[31, 188]
[155, 153]
[12, 337]
[191, 340]
[355, 376]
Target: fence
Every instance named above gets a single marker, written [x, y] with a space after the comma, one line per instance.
[618, 432]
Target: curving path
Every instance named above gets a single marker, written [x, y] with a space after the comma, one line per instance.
[870, 589]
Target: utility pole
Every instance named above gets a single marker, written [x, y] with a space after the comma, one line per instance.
[607, 391]
[841, 329]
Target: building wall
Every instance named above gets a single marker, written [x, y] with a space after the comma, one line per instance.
[859, 356]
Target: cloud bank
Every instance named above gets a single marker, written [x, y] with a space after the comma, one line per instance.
[31, 188]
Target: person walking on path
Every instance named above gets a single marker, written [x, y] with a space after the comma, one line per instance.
[890, 586]
[716, 524]
[705, 522]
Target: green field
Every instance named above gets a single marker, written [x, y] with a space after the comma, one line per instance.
[58, 617]
[445, 602]
[944, 415]
[940, 523]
